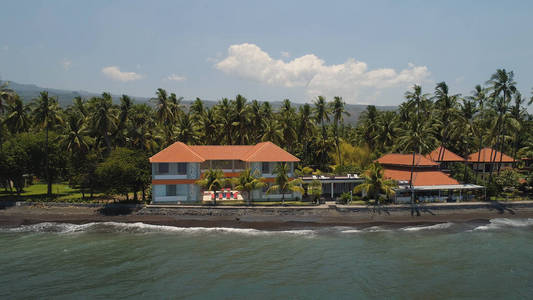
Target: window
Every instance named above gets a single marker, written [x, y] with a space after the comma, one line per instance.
[171, 189]
[162, 168]
[239, 165]
[222, 164]
[205, 165]
[182, 168]
[265, 168]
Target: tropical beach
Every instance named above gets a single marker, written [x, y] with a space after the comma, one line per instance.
[266, 149]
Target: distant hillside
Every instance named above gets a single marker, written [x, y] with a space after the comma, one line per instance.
[31, 91]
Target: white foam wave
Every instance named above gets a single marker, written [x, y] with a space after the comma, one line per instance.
[140, 227]
[431, 227]
[500, 223]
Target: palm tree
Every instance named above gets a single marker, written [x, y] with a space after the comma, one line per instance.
[75, 138]
[503, 86]
[164, 113]
[480, 97]
[314, 189]
[375, 184]
[447, 109]
[223, 114]
[17, 119]
[185, 132]
[175, 106]
[103, 119]
[306, 129]
[212, 180]
[272, 131]
[321, 114]
[287, 122]
[247, 182]
[197, 110]
[241, 119]
[46, 115]
[283, 183]
[338, 111]
[6, 95]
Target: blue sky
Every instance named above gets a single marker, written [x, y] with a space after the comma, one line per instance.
[366, 52]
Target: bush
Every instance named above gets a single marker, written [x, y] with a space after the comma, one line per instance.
[345, 198]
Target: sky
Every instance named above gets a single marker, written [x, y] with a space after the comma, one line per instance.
[368, 52]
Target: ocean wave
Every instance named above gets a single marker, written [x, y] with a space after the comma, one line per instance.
[430, 227]
[140, 227]
[501, 223]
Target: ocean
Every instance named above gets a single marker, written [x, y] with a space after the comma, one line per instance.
[118, 260]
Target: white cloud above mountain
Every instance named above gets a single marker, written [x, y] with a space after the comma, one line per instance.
[352, 80]
[114, 72]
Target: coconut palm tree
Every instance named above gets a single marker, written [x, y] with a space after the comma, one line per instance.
[283, 183]
[185, 131]
[103, 120]
[46, 115]
[338, 110]
[6, 95]
[164, 113]
[75, 137]
[17, 117]
[306, 130]
[248, 181]
[503, 87]
[446, 107]
[375, 184]
[241, 119]
[212, 180]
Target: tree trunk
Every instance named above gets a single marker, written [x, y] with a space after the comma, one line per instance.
[47, 170]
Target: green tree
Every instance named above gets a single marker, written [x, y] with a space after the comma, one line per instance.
[283, 183]
[247, 182]
[46, 115]
[212, 180]
[375, 184]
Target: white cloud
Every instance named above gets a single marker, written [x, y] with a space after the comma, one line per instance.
[114, 73]
[175, 77]
[352, 79]
[285, 54]
[66, 63]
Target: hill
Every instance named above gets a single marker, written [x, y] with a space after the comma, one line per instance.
[31, 91]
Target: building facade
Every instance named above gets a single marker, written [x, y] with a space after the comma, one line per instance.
[429, 183]
[177, 168]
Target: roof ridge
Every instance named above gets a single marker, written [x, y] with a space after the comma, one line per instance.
[193, 152]
[261, 145]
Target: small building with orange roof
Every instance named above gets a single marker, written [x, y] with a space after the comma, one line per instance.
[489, 159]
[176, 168]
[429, 184]
[444, 157]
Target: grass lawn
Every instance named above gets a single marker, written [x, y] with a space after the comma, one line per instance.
[61, 193]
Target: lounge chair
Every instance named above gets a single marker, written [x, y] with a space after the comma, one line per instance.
[213, 196]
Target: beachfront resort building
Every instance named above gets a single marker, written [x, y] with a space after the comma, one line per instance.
[177, 168]
[430, 184]
[444, 158]
[488, 159]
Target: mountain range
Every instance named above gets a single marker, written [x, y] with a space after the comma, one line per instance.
[31, 91]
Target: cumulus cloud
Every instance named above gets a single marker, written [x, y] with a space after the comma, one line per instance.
[285, 54]
[349, 79]
[66, 63]
[114, 73]
[174, 77]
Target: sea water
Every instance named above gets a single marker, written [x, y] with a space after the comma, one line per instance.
[118, 260]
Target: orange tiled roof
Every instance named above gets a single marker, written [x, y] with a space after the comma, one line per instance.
[421, 178]
[223, 152]
[485, 156]
[445, 155]
[265, 151]
[177, 152]
[396, 159]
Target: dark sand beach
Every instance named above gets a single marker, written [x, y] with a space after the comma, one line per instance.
[263, 217]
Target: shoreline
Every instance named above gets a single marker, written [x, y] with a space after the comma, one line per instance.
[263, 218]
